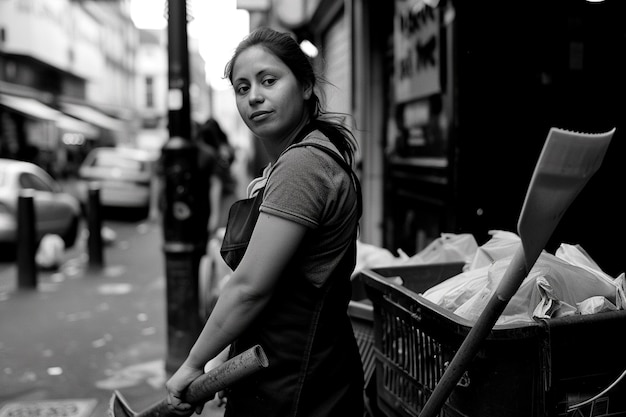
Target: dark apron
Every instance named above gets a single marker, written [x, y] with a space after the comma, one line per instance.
[314, 364]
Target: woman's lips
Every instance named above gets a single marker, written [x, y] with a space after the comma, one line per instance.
[258, 116]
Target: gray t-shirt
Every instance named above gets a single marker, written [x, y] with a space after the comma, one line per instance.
[309, 187]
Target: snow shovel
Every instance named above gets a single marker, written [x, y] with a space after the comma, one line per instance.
[203, 388]
[566, 163]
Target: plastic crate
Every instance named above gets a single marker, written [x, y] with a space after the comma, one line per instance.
[529, 370]
[362, 318]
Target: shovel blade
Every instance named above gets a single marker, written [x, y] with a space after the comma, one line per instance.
[118, 407]
[566, 163]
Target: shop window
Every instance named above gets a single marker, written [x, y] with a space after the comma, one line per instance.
[149, 92]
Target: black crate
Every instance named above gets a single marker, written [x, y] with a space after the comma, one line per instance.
[530, 370]
[362, 318]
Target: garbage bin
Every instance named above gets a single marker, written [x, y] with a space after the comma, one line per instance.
[526, 370]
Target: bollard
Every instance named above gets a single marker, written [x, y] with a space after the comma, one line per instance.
[26, 243]
[94, 224]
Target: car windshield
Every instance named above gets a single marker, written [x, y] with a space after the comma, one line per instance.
[110, 160]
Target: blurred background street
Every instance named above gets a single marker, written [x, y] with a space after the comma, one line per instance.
[83, 333]
[448, 127]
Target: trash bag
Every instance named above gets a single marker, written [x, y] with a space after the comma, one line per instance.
[50, 252]
[449, 247]
[372, 256]
[500, 245]
[554, 287]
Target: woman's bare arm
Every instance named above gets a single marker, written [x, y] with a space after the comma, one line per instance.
[273, 243]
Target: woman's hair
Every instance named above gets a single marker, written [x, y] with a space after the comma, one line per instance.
[212, 134]
[285, 48]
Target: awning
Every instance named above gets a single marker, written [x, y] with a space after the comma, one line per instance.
[71, 125]
[29, 107]
[38, 110]
[94, 116]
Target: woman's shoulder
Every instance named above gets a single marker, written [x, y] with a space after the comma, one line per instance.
[315, 142]
[306, 156]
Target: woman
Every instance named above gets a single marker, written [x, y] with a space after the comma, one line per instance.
[291, 282]
[219, 155]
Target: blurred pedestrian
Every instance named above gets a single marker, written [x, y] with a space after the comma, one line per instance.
[292, 247]
[216, 157]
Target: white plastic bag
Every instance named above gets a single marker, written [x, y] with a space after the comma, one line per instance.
[457, 290]
[597, 304]
[554, 287]
[449, 247]
[371, 256]
[500, 245]
[50, 252]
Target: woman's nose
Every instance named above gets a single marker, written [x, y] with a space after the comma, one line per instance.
[255, 95]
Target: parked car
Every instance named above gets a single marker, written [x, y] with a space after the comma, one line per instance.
[56, 212]
[124, 176]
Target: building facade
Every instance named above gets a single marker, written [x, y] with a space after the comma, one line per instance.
[78, 74]
[66, 79]
[152, 87]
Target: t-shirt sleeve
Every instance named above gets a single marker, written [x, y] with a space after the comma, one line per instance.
[309, 187]
[301, 186]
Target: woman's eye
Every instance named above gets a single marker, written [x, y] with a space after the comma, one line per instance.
[269, 81]
[242, 89]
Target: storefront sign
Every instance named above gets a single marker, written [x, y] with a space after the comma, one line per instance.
[416, 50]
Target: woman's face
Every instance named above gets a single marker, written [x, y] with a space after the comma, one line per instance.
[269, 98]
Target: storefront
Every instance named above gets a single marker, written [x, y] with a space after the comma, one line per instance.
[38, 133]
[420, 160]
[476, 88]
[452, 102]
[27, 126]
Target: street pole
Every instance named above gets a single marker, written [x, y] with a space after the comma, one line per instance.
[181, 228]
[95, 246]
[26, 240]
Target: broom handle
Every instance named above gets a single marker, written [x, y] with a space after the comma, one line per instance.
[205, 386]
[510, 282]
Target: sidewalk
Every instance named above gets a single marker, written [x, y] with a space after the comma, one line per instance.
[67, 345]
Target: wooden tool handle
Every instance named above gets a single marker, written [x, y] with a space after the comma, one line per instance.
[205, 386]
[226, 374]
[510, 282]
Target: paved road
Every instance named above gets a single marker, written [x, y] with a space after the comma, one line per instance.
[84, 333]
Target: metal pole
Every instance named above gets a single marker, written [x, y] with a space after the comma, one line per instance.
[94, 224]
[181, 229]
[26, 245]
[178, 70]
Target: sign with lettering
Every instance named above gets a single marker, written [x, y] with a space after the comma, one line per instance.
[53, 408]
[416, 50]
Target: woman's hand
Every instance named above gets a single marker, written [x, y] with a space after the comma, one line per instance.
[176, 387]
